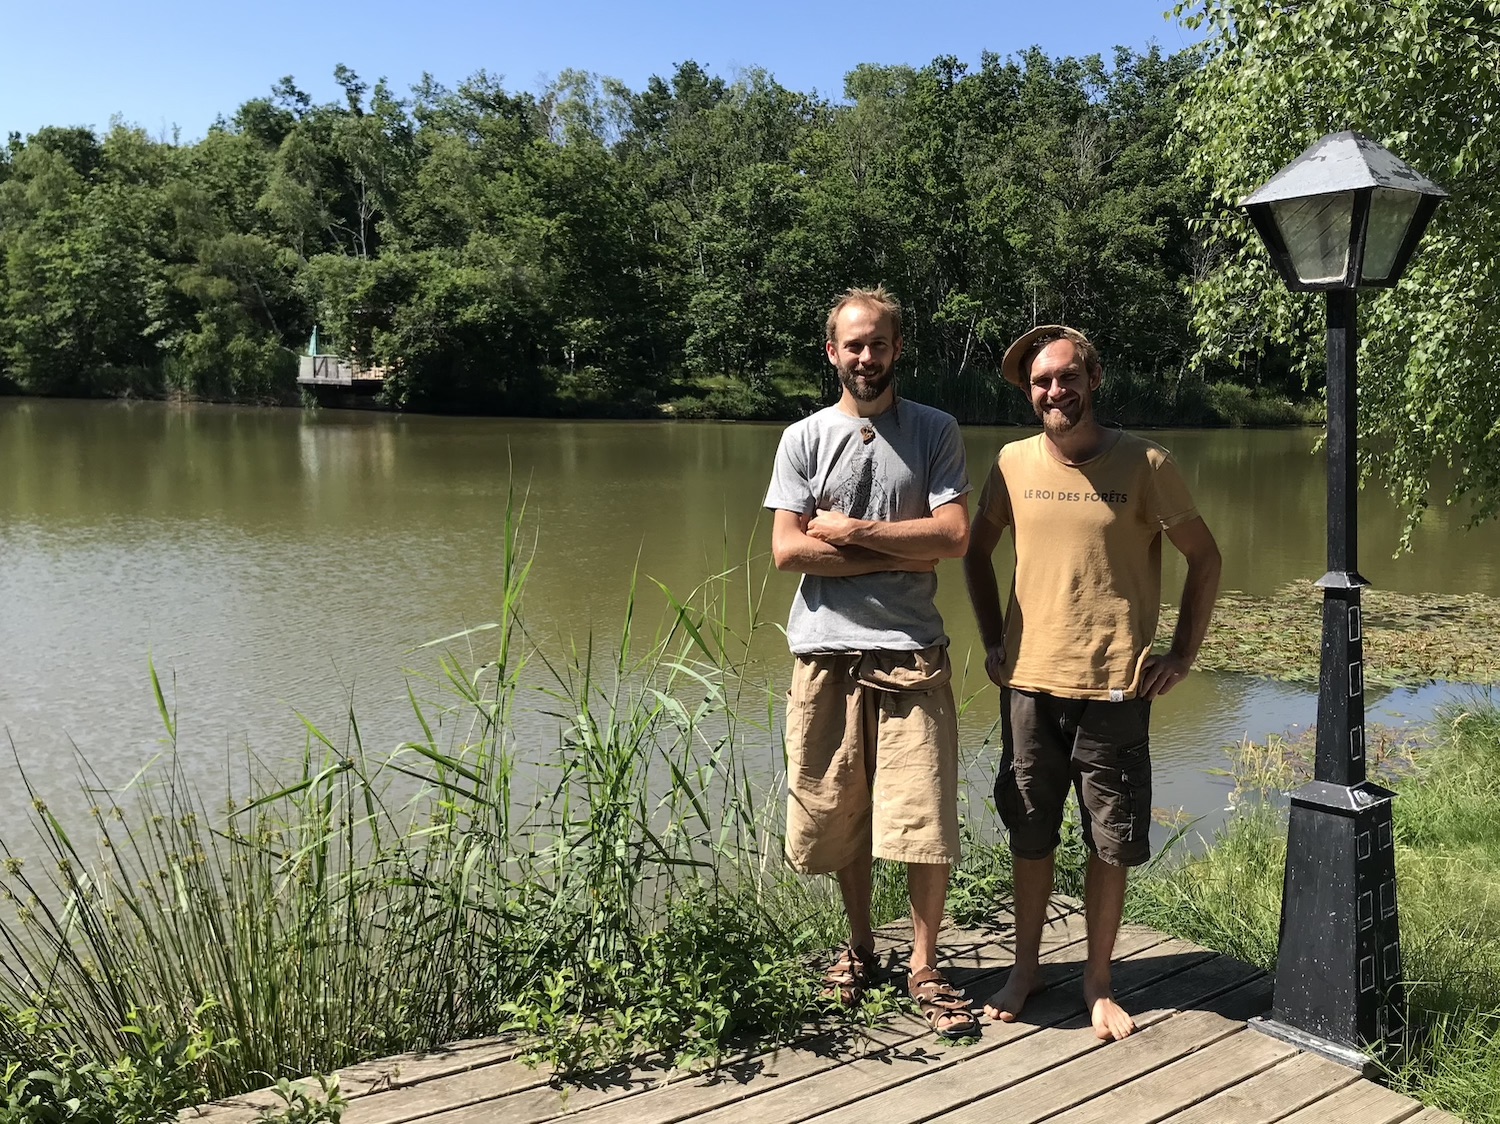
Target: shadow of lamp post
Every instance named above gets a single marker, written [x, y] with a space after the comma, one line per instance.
[1345, 215]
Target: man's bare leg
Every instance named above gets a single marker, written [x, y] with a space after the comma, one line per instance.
[1103, 906]
[927, 884]
[854, 886]
[1033, 890]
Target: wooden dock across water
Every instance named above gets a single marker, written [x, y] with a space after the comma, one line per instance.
[1193, 1061]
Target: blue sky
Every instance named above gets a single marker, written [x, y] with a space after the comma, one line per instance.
[166, 63]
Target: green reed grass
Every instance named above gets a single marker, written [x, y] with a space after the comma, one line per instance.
[616, 893]
[1448, 864]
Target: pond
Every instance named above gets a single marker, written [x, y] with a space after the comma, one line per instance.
[275, 563]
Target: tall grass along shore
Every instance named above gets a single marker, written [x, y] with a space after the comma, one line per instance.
[617, 894]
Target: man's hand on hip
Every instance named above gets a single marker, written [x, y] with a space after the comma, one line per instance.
[994, 662]
[1160, 674]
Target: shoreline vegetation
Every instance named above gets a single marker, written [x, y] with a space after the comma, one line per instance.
[1448, 862]
[1126, 401]
[591, 250]
[618, 895]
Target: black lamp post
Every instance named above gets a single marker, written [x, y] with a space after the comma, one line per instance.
[1345, 214]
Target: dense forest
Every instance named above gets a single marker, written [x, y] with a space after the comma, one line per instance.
[589, 249]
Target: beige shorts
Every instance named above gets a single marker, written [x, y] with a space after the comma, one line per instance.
[872, 759]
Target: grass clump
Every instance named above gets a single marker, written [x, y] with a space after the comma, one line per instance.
[1448, 863]
[617, 894]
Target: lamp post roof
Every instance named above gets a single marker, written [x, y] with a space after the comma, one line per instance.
[1342, 162]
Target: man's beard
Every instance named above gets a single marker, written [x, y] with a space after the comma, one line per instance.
[1060, 421]
[872, 386]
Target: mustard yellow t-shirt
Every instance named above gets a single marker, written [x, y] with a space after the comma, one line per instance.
[1087, 589]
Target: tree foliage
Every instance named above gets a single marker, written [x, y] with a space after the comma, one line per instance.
[588, 248]
[1423, 78]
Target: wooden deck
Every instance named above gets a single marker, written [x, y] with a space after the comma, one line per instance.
[1193, 1061]
[329, 371]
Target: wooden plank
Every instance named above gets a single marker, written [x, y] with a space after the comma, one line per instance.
[386, 1091]
[428, 1065]
[532, 1091]
[513, 1078]
[789, 1094]
[400, 1073]
[1093, 1067]
[1269, 1096]
[403, 1070]
[1133, 944]
[1433, 1117]
[908, 1087]
[366, 1078]
[686, 1095]
[1156, 1095]
[1360, 1103]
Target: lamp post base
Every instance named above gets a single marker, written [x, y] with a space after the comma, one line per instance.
[1338, 965]
[1333, 1051]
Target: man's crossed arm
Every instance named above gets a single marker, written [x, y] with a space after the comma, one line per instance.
[833, 545]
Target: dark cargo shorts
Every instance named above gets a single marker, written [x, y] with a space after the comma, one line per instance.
[1100, 749]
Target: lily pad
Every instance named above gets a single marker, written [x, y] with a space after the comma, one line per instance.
[1410, 639]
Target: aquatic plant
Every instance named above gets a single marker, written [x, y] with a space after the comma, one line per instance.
[1409, 639]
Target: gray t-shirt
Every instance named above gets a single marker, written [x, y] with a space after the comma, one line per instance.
[913, 465]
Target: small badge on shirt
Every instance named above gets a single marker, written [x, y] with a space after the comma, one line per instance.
[1116, 695]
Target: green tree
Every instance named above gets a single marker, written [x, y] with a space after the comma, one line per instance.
[81, 230]
[593, 249]
[1423, 78]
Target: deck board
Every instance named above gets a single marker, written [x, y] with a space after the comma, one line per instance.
[1360, 1103]
[1432, 1116]
[1157, 1094]
[1052, 1030]
[1272, 1094]
[1193, 1060]
[1079, 1067]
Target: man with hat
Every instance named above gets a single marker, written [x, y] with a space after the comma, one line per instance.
[1087, 508]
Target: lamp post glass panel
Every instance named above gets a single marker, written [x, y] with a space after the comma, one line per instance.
[1346, 214]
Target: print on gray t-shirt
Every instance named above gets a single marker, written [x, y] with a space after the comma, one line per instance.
[914, 465]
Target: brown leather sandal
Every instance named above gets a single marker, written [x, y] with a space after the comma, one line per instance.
[939, 1000]
[849, 977]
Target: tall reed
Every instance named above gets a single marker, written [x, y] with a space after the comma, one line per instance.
[615, 892]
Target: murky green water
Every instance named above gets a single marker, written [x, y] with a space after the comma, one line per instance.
[272, 562]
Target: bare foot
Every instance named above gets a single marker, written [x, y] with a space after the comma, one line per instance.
[1020, 986]
[1111, 1021]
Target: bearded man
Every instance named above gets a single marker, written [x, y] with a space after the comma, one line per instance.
[867, 495]
[1087, 507]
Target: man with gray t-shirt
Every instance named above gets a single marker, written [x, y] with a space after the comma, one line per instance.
[868, 494]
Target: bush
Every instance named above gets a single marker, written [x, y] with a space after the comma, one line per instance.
[1235, 405]
[45, 1079]
[732, 400]
[223, 363]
